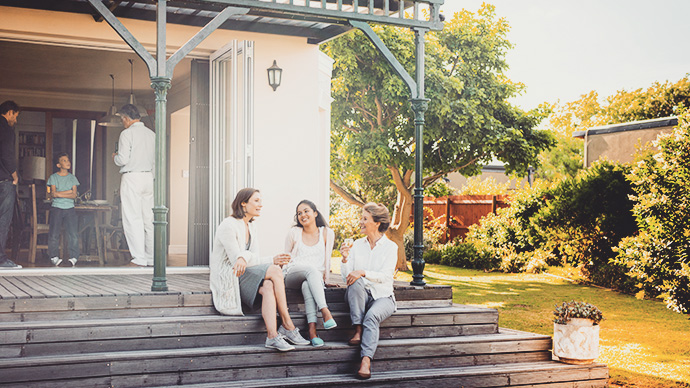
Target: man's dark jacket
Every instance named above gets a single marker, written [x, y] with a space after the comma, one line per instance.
[8, 163]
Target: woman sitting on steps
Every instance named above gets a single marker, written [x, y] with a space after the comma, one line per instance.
[238, 274]
[310, 243]
[368, 269]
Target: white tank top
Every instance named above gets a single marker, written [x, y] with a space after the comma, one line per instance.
[311, 255]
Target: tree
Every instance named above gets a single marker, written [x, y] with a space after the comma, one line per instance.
[565, 159]
[468, 124]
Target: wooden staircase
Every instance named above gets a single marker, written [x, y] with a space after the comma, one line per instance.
[140, 339]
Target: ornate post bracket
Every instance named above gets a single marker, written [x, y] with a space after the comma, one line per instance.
[388, 55]
[160, 73]
[419, 106]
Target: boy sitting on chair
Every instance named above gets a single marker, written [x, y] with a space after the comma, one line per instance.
[63, 187]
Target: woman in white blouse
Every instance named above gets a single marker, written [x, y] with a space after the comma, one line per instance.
[238, 274]
[368, 269]
[310, 243]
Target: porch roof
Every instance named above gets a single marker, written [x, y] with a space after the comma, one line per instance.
[317, 20]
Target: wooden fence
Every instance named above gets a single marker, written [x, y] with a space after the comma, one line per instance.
[464, 210]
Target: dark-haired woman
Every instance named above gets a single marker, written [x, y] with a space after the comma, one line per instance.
[310, 243]
[238, 274]
[368, 269]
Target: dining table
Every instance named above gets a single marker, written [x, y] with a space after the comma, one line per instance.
[91, 214]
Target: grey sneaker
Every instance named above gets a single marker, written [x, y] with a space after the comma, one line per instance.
[279, 343]
[56, 261]
[73, 261]
[9, 264]
[293, 336]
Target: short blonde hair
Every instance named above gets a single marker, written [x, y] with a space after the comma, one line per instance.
[379, 213]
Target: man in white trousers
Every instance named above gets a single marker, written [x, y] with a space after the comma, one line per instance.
[135, 154]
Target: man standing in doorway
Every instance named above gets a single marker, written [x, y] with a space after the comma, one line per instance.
[9, 111]
[135, 156]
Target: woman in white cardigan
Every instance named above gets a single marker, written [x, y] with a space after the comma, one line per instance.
[310, 243]
[238, 274]
[368, 269]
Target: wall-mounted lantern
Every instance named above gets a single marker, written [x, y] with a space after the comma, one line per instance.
[275, 75]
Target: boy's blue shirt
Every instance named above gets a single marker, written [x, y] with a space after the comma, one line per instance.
[63, 183]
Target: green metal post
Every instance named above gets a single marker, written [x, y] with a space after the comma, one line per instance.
[419, 106]
[160, 211]
[160, 85]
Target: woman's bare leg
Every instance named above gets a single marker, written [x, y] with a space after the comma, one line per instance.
[326, 314]
[312, 330]
[275, 274]
[268, 308]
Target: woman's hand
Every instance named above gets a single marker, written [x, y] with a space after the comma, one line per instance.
[281, 259]
[240, 266]
[354, 275]
[345, 251]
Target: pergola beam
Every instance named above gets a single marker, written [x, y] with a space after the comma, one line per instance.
[125, 35]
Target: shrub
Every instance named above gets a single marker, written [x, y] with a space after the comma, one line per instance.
[461, 255]
[511, 231]
[659, 257]
[434, 230]
[586, 217]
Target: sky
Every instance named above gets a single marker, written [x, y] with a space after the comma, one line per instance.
[563, 49]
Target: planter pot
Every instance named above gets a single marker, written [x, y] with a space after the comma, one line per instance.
[576, 342]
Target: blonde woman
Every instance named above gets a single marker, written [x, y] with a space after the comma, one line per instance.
[368, 269]
[310, 243]
[239, 275]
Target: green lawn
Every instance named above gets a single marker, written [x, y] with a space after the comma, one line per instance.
[643, 343]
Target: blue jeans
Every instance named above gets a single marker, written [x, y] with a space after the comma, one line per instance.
[67, 219]
[8, 193]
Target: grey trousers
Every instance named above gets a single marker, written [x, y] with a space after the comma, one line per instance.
[310, 281]
[368, 312]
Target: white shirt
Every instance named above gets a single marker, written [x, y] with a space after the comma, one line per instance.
[318, 256]
[378, 264]
[136, 149]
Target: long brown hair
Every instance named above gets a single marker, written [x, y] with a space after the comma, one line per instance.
[241, 197]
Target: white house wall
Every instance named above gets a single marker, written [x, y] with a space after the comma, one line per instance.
[291, 128]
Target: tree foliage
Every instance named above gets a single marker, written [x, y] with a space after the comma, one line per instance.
[469, 121]
[659, 257]
[659, 100]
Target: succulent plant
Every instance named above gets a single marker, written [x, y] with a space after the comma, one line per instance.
[574, 309]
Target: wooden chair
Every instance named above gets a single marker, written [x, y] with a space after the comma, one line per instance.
[36, 229]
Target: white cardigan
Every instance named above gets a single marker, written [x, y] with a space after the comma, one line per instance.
[229, 245]
[295, 234]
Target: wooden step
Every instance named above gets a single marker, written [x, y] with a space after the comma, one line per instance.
[534, 374]
[23, 298]
[24, 339]
[223, 363]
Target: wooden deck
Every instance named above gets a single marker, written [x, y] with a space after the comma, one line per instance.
[78, 282]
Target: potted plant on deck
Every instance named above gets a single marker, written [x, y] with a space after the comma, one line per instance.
[576, 332]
